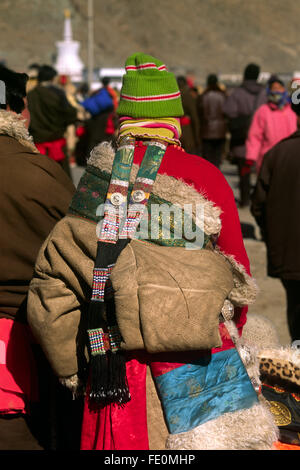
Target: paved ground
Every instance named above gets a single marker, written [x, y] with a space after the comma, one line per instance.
[271, 298]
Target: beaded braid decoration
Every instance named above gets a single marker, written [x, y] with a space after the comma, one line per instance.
[117, 192]
[109, 382]
[96, 337]
[102, 287]
[100, 276]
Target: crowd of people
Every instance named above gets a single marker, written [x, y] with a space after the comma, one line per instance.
[236, 123]
[111, 343]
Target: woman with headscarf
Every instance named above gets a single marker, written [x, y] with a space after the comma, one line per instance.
[271, 123]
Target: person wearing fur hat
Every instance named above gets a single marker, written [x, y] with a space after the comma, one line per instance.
[135, 309]
[35, 193]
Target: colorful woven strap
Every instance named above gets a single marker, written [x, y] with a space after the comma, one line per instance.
[142, 188]
[116, 199]
[118, 221]
[107, 361]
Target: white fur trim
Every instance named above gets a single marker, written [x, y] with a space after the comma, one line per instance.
[12, 124]
[179, 193]
[166, 187]
[248, 353]
[72, 383]
[245, 288]
[249, 429]
[260, 331]
[284, 354]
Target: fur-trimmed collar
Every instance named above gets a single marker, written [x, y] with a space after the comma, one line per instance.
[179, 193]
[12, 125]
[166, 187]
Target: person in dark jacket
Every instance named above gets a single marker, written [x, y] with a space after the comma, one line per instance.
[212, 121]
[190, 138]
[35, 193]
[101, 124]
[276, 207]
[51, 114]
[239, 108]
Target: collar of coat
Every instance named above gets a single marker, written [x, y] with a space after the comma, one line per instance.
[165, 187]
[12, 125]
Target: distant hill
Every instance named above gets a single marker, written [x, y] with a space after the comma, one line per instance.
[195, 36]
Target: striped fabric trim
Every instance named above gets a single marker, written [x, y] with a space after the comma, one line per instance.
[99, 279]
[150, 125]
[97, 337]
[119, 183]
[126, 146]
[142, 99]
[147, 65]
[145, 181]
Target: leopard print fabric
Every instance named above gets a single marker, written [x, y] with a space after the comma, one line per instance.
[279, 369]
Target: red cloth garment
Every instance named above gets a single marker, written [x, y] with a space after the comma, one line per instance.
[18, 376]
[246, 169]
[52, 149]
[115, 428]
[80, 131]
[110, 128]
[125, 428]
[185, 121]
[120, 428]
[282, 446]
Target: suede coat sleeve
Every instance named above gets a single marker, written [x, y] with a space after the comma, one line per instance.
[35, 194]
[259, 198]
[57, 300]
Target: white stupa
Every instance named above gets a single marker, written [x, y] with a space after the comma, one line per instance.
[68, 61]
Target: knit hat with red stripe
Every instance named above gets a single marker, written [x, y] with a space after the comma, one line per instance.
[148, 89]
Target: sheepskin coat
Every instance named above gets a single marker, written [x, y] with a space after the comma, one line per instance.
[35, 194]
[61, 289]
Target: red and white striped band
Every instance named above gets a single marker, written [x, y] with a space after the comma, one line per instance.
[148, 65]
[139, 99]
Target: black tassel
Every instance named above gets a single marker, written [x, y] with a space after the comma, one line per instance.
[118, 390]
[98, 362]
[98, 378]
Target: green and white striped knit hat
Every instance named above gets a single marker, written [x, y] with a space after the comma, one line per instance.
[148, 89]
